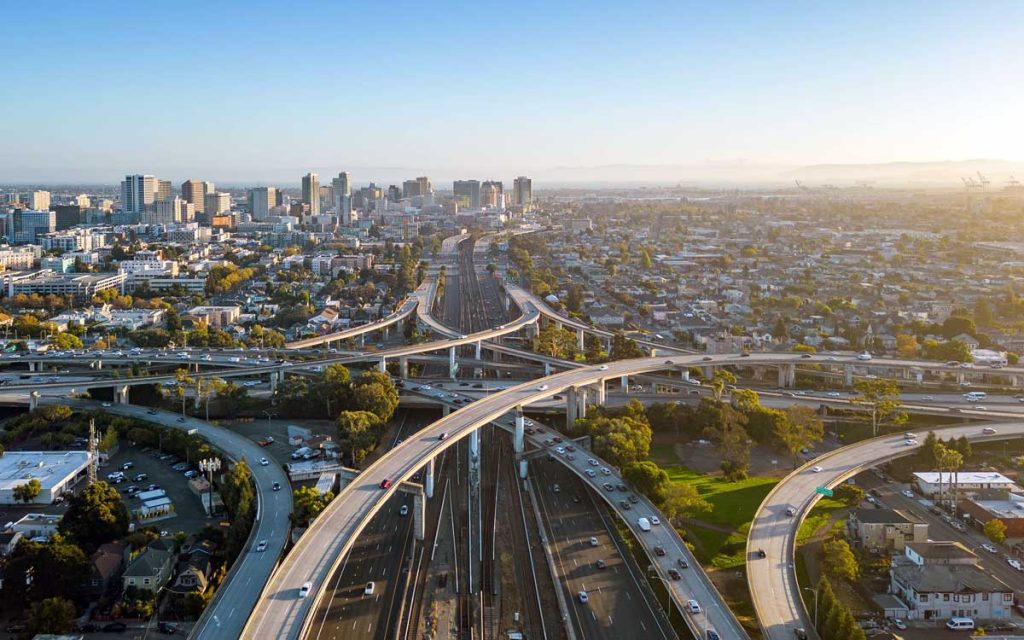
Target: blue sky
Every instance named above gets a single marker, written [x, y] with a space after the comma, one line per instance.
[259, 91]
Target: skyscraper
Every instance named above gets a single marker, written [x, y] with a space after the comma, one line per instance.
[489, 194]
[163, 190]
[341, 193]
[39, 200]
[195, 191]
[522, 192]
[217, 203]
[28, 224]
[171, 211]
[311, 192]
[467, 193]
[138, 193]
[261, 201]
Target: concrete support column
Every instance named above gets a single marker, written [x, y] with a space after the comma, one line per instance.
[579, 340]
[624, 383]
[33, 401]
[558, 324]
[387, 331]
[847, 376]
[520, 435]
[478, 349]
[654, 352]
[273, 382]
[97, 364]
[787, 375]
[382, 364]
[581, 400]
[32, 366]
[474, 444]
[403, 367]
[571, 407]
[547, 369]
[453, 367]
[1013, 381]
[522, 469]
[919, 376]
[791, 376]
[362, 340]
[445, 410]
[121, 395]
[428, 478]
[601, 393]
[419, 516]
[685, 373]
[708, 373]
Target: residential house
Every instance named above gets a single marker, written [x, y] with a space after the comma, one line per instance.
[150, 570]
[106, 566]
[885, 529]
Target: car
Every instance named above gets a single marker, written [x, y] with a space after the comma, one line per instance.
[864, 356]
[603, 367]
[675, 575]
[683, 564]
[606, 471]
[833, 394]
[261, 546]
[600, 564]
[191, 473]
[181, 419]
[990, 548]
[707, 359]
[633, 498]
[910, 442]
[115, 627]
[304, 589]
[655, 520]
[927, 398]
[570, 448]
[801, 634]
[608, 486]
[127, 465]
[988, 430]
[152, 412]
[368, 589]
[816, 469]
[790, 511]
[907, 493]
[404, 511]
[276, 486]
[659, 550]
[576, 499]
[590, 473]
[711, 634]
[140, 477]
[625, 505]
[806, 355]
[544, 387]
[443, 436]
[593, 541]
[745, 354]
[264, 462]
[107, 405]
[560, 450]
[582, 595]
[152, 486]
[167, 628]
[693, 606]
[620, 487]
[385, 483]
[592, 462]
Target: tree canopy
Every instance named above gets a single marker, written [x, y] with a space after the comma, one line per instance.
[95, 516]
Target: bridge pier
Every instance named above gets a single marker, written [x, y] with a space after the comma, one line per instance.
[624, 383]
[579, 340]
[97, 364]
[520, 434]
[919, 376]
[847, 375]
[708, 373]
[121, 395]
[571, 407]
[273, 382]
[403, 367]
[547, 369]
[428, 478]
[453, 366]
[601, 393]
[419, 516]
[445, 410]
[474, 444]
[382, 364]
[522, 469]
[33, 401]
[32, 366]
[787, 376]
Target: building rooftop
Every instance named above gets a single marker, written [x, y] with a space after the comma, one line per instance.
[49, 467]
[964, 477]
[882, 516]
[940, 550]
[948, 578]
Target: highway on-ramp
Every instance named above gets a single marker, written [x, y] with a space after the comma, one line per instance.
[772, 580]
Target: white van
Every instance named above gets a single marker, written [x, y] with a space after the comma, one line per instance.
[960, 624]
[644, 524]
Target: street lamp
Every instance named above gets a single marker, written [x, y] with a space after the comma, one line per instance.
[209, 466]
[815, 592]
[269, 416]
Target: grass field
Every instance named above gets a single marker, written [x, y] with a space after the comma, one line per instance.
[817, 518]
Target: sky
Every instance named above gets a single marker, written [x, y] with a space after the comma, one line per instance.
[251, 92]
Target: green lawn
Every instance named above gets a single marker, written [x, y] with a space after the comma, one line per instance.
[733, 503]
[817, 518]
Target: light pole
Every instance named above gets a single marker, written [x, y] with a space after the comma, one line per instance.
[209, 466]
[269, 416]
[815, 592]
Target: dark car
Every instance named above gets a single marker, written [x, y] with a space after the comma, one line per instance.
[761, 553]
[675, 575]
[800, 634]
[601, 564]
[115, 627]
[167, 628]
[277, 486]
[659, 550]
[683, 564]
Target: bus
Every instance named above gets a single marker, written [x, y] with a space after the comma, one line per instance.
[975, 396]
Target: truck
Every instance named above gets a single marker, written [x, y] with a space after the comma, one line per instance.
[644, 524]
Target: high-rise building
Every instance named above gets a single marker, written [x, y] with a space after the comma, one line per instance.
[172, 211]
[39, 200]
[138, 194]
[261, 201]
[68, 215]
[489, 194]
[163, 190]
[217, 203]
[425, 186]
[394, 193]
[195, 191]
[83, 201]
[29, 224]
[341, 193]
[410, 189]
[311, 192]
[522, 192]
[467, 193]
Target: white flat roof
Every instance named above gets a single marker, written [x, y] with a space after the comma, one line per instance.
[51, 468]
[963, 477]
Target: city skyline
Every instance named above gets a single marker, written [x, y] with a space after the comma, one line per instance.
[757, 90]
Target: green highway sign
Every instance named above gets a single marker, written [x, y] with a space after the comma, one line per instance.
[823, 491]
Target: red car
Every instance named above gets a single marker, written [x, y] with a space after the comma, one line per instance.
[386, 484]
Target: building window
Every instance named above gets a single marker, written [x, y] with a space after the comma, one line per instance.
[922, 598]
[945, 597]
[145, 581]
[984, 597]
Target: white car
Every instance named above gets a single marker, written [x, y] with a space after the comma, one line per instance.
[606, 471]
[910, 442]
[542, 387]
[927, 398]
[603, 367]
[261, 546]
[592, 462]
[833, 394]
[988, 430]
[693, 606]
[404, 511]
[655, 520]
[304, 589]
[560, 450]
[368, 590]
[990, 548]
[908, 493]
[593, 541]
[264, 462]
[816, 469]
[864, 356]
[590, 473]
[584, 599]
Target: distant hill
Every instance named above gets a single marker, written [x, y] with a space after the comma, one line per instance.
[946, 173]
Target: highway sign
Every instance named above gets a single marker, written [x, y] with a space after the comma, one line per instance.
[823, 491]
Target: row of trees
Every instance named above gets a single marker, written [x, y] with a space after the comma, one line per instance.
[834, 619]
[333, 390]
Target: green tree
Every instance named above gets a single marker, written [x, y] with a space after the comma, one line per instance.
[65, 341]
[239, 495]
[374, 391]
[556, 342]
[649, 479]
[57, 569]
[849, 494]
[746, 400]
[619, 440]
[718, 383]
[683, 500]
[838, 560]
[95, 516]
[624, 348]
[733, 440]
[359, 432]
[109, 441]
[52, 616]
[307, 503]
[334, 387]
[995, 530]
[882, 397]
[801, 429]
[28, 491]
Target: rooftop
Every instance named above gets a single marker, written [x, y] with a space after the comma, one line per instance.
[948, 578]
[963, 477]
[882, 516]
[49, 467]
[940, 550]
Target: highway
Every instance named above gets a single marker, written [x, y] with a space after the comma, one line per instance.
[226, 615]
[772, 580]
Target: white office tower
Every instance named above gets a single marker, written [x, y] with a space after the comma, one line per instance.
[341, 192]
[39, 200]
[138, 195]
[262, 201]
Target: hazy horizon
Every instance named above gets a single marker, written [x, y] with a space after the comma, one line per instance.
[262, 93]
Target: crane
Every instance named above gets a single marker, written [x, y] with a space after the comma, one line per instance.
[982, 180]
[1013, 182]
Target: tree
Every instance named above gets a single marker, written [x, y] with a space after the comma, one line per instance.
[907, 346]
[57, 569]
[557, 342]
[649, 479]
[624, 348]
[826, 602]
[746, 400]
[839, 560]
[719, 381]
[620, 440]
[359, 432]
[52, 615]
[334, 387]
[28, 491]
[682, 500]
[65, 341]
[883, 397]
[95, 516]
[995, 530]
[378, 398]
[849, 494]
[801, 429]
[727, 428]
[109, 441]
[307, 504]
[239, 495]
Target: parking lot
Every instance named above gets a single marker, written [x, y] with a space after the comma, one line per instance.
[190, 514]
